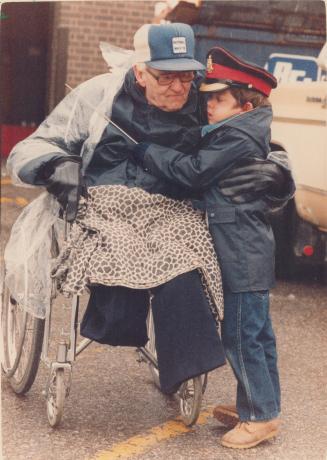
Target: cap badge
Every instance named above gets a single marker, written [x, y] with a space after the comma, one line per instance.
[209, 64]
[179, 45]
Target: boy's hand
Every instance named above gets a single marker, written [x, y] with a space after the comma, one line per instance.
[252, 178]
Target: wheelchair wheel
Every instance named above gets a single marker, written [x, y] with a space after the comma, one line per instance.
[190, 394]
[56, 397]
[151, 347]
[22, 337]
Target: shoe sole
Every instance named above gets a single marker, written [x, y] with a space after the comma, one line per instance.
[229, 419]
[252, 444]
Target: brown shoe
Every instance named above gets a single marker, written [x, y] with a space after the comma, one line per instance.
[250, 434]
[227, 415]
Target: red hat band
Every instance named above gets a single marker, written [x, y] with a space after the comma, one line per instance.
[221, 72]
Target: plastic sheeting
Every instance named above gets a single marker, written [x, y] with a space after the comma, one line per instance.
[27, 254]
[75, 127]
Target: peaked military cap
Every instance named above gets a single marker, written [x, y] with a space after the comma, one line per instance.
[225, 70]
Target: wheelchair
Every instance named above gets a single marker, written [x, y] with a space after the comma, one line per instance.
[26, 341]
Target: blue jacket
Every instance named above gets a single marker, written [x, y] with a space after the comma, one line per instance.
[112, 162]
[242, 234]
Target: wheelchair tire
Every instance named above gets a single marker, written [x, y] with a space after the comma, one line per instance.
[190, 394]
[22, 338]
[56, 397]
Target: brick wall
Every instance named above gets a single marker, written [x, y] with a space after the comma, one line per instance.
[78, 27]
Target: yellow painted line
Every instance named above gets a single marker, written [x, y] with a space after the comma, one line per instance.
[143, 442]
[6, 200]
[21, 201]
[18, 200]
[5, 181]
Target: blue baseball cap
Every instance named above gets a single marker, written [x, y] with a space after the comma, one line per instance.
[167, 47]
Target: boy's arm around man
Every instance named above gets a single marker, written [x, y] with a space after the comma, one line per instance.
[226, 159]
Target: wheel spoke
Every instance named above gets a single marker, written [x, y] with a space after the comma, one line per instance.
[22, 337]
[190, 394]
[12, 337]
[56, 396]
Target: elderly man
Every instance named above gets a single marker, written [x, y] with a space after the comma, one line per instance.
[157, 103]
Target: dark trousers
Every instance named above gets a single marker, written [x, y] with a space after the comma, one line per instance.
[187, 341]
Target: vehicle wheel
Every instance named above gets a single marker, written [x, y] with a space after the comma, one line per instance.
[22, 338]
[287, 265]
[190, 394]
[56, 397]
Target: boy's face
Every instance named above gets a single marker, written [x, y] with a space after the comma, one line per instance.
[222, 105]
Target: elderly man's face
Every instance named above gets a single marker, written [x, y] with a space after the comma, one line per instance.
[168, 97]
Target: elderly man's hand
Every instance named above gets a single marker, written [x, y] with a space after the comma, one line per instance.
[63, 180]
[253, 178]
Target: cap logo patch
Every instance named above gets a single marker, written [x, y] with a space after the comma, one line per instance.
[209, 64]
[179, 45]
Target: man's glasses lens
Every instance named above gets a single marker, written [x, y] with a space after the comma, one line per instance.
[166, 79]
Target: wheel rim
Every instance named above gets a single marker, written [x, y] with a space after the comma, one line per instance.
[56, 397]
[190, 394]
[151, 345]
[15, 345]
[151, 348]
[186, 393]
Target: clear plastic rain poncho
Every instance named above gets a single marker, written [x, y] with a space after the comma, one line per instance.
[74, 126]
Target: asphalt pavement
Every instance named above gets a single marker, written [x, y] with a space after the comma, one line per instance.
[114, 410]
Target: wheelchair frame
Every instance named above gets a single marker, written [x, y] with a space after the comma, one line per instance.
[26, 342]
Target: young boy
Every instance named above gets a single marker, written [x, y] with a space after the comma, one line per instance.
[239, 116]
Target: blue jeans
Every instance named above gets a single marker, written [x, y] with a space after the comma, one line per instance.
[250, 348]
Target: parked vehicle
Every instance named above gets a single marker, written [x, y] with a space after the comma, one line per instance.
[300, 127]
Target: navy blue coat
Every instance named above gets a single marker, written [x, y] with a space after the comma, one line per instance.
[112, 162]
[242, 234]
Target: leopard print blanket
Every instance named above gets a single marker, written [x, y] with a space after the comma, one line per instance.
[127, 237]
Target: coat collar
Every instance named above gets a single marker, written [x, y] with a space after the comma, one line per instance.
[208, 128]
[255, 124]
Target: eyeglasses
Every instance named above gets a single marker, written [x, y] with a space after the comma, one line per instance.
[166, 79]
